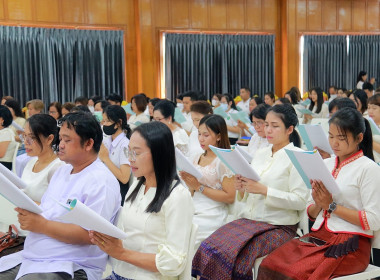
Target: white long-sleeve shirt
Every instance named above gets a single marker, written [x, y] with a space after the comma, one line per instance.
[287, 193]
[165, 234]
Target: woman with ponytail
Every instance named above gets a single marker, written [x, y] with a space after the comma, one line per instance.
[339, 243]
[271, 206]
[113, 151]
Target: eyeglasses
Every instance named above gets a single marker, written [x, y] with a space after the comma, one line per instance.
[258, 123]
[53, 112]
[131, 154]
[28, 139]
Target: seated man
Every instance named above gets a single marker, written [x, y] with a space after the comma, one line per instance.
[57, 250]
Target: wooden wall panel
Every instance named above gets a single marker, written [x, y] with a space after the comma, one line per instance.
[97, 12]
[373, 15]
[161, 13]
[344, 15]
[359, 16]
[218, 14]
[329, 15]
[20, 10]
[47, 10]
[270, 14]
[179, 12]
[314, 14]
[300, 14]
[235, 14]
[2, 9]
[73, 11]
[119, 11]
[254, 15]
[199, 14]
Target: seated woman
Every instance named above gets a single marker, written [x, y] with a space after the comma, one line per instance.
[152, 102]
[215, 190]
[39, 136]
[317, 106]
[228, 105]
[7, 138]
[259, 139]
[270, 215]
[113, 150]
[157, 199]
[361, 100]
[248, 129]
[269, 98]
[18, 118]
[374, 113]
[345, 222]
[164, 112]
[55, 110]
[138, 105]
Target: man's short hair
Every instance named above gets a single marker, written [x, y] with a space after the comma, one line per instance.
[246, 88]
[368, 86]
[341, 102]
[82, 100]
[86, 126]
[192, 94]
[37, 104]
[201, 107]
[115, 98]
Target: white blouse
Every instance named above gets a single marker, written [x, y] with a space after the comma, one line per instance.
[358, 179]
[117, 149]
[210, 214]
[286, 195]
[324, 113]
[165, 234]
[135, 120]
[181, 140]
[256, 143]
[6, 134]
[37, 182]
[231, 122]
[376, 155]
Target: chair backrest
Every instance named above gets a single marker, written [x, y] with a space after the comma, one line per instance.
[15, 147]
[186, 274]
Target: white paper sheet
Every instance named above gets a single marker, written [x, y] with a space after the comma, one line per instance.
[244, 153]
[236, 162]
[12, 177]
[314, 136]
[17, 196]
[375, 129]
[310, 166]
[183, 164]
[81, 215]
[17, 126]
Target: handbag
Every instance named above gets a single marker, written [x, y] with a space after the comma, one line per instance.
[11, 242]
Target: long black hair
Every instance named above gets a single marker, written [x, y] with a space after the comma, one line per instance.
[218, 125]
[289, 117]
[349, 120]
[360, 95]
[229, 99]
[117, 114]
[360, 76]
[43, 125]
[320, 100]
[159, 139]
[12, 103]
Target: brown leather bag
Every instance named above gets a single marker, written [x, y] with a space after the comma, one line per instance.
[11, 242]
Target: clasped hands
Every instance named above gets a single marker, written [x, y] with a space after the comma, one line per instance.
[191, 181]
[322, 197]
[244, 184]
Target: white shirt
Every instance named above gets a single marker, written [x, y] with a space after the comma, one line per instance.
[165, 234]
[188, 124]
[118, 149]
[210, 214]
[6, 134]
[324, 113]
[194, 145]
[376, 155]
[96, 187]
[359, 85]
[358, 179]
[244, 105]
[256, 143]
[37, 182]
[135, 120]
[231, 122]
[181, 140]
[286, 195]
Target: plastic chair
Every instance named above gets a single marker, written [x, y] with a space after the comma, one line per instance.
[16, 145]
[186, 274]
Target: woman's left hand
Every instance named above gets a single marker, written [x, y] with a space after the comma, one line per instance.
[190, 180]
[103, 153]
[108, 244]
[252, 186]
[320, 194]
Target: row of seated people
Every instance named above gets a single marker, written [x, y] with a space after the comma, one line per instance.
[280, 186]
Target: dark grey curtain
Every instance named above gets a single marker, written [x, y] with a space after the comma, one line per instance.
[363, 54]
[60, 64]
[324, 62]
[218, 63]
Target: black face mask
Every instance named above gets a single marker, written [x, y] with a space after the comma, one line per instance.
[109, 129]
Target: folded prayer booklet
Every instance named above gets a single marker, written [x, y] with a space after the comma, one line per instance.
[83, 216]
[219, 111]
[184, 164]
[236, 162]
[240, 116]
[375, 129]
[244, 153]
[314, 136]
[12, 177]
[128, 109]
[305, 102]
[16, 196]
[310, 166]
[305, 111]
[17, 126]
[178, 116]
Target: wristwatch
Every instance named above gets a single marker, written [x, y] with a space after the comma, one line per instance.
[201, 189]
[332, 207]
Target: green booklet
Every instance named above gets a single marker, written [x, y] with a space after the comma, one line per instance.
[128, 109]
[178, 116]
[241, 116]
[219, 111]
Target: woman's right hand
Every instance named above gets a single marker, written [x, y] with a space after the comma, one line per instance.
[108, 244]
